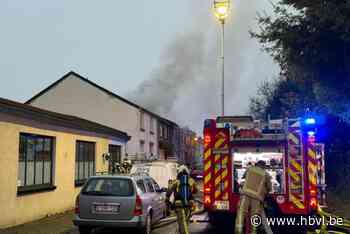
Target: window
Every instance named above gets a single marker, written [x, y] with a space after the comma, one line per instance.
[151, 124]
[84, 161]
[109, 187]
[142, 121]
[142, 146]
[141, 186]
[35, 162]
[149, 184]
[115, 151]
[165, 134]
[156, 186]
[274, 166]
[151, 148]
[161, 131]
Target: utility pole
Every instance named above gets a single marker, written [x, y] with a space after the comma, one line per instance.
[221, 10]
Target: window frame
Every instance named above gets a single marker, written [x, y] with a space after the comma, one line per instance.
[142, 121]
[86, 158]
[155, 185]
[165, 132]
[32, 188]
[142, 146]
[143, 184]
[151, 148]
[148, 181]
[151, 127]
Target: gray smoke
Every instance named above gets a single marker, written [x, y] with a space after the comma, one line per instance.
[185, 87]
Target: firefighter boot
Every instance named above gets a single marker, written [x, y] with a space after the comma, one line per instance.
[182, 220]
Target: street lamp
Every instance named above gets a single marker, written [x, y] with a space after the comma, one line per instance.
[221, 10]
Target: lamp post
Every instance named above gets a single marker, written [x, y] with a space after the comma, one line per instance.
[221, 10]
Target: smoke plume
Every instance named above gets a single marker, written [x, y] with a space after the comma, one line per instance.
[185, 87]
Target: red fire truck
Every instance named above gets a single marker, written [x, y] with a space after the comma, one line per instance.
[293, 159]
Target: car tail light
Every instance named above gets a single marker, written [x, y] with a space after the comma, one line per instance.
[77, 209]
[138, 206]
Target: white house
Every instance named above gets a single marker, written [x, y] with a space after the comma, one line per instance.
[78, 96]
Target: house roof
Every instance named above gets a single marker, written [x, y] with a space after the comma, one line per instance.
[49, 117]
[100, 88]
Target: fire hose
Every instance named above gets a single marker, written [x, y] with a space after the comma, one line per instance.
[173, 218]
[341, 228]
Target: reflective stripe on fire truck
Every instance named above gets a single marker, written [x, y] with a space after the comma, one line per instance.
[312, 161]
[207, 164]
[221, 183]
[295, 169]
[296, 201]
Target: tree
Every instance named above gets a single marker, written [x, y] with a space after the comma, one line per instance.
[310, 40]
[281, 98]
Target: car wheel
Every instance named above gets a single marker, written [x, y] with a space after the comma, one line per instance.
[148, 227]
[85, 230]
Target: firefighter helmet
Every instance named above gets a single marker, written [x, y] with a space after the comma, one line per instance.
[184, 169]
[261, 164]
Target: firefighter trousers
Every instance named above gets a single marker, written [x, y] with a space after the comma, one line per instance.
[183, 218]
[247, 204]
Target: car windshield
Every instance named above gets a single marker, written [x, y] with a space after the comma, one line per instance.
[109, 187]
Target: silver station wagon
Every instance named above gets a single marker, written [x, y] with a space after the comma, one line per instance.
[118, 201]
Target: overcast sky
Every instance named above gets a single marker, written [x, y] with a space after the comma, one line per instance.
[120, 44]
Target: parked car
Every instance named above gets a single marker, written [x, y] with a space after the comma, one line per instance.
[119, 201]
[162, 171]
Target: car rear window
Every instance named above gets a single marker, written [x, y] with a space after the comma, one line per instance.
[122, 187]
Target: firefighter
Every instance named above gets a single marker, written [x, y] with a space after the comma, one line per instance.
[126, 166]
[183, 188]
[256, 186]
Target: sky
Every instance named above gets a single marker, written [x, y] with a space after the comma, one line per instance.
[162, 54]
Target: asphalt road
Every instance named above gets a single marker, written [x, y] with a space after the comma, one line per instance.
[195, 228]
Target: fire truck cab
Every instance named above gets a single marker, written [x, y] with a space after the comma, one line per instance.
[293, 158]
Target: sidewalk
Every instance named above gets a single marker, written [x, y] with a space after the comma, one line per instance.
[56, 224]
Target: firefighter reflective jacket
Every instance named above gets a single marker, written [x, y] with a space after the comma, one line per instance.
[183, 190]
[257, 183]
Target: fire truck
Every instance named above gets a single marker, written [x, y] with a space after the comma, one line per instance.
[293, 158]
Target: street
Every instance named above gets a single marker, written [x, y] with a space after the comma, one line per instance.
[195, 228]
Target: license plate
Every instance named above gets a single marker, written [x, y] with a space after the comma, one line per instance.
[222, 205]
[106, 208]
